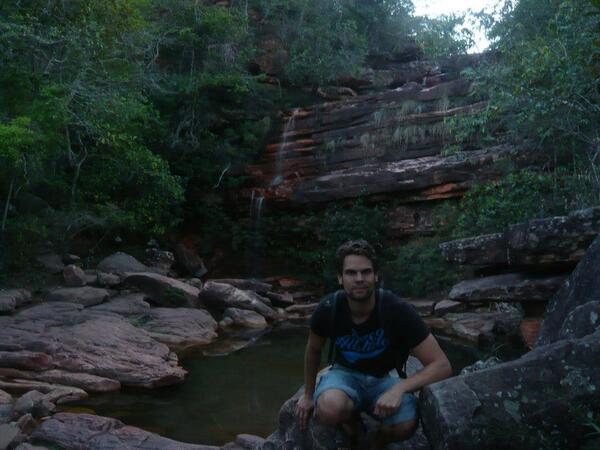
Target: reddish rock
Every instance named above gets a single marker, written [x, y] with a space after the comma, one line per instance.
[66, 337]
[530, 328]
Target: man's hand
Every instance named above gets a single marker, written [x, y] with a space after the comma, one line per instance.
[304, 409]
[389, 402]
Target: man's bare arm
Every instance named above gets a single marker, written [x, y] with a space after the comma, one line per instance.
[436, 367]
[312, 358]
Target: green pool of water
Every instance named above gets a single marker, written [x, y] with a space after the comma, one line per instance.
[227, 395]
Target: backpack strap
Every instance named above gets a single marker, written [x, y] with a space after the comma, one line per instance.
[386, 325]
[335, 301]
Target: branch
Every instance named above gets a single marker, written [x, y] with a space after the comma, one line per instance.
[221, 177]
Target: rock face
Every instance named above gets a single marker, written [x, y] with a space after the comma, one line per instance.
[530, 403]
[63, 336]
[542, 242]
[79, 431]
[163, 290]
[582, 287]
[540, 400]
[513, 287]
[86, 296]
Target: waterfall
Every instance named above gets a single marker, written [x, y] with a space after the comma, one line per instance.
[288, 128]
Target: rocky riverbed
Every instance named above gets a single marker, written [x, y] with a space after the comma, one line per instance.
[123, 323]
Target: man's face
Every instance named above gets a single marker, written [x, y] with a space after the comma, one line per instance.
[358, 278]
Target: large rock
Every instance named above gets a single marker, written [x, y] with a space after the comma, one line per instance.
[551, 241]
[163, 290]
[243, 318]
[121, 263]
[488, 249]
[86, 296]
[221, 296]
[538, 401]
[74, 275]
[66, 337]
[426, 178]
[583, 286]
[126, 305]
[11, 299]
[482, 328]
[556, 240]
[179, 328]
[513, 287]
[86, 431]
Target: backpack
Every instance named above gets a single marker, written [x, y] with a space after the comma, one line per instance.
[335, 298]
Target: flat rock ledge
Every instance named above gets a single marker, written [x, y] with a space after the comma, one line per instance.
[560, 240]
[66, 337]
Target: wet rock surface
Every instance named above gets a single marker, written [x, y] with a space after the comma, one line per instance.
[163, 290]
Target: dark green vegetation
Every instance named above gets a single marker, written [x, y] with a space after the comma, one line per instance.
[131, 118]
[128, 117]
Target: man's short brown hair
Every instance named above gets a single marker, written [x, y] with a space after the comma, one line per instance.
[358, 247]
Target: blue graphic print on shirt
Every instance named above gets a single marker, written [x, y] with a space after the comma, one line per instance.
[355, 348]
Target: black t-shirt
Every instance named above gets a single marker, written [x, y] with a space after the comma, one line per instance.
[377, 345]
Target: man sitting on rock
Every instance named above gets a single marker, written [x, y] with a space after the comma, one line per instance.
[373, 332]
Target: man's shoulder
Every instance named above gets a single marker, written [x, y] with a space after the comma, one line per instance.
[392, 303]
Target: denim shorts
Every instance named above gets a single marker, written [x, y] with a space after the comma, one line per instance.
[364, 390]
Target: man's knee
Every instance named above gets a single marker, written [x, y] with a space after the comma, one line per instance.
[399, 431]
[334, 407]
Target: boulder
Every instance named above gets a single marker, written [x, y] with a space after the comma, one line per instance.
[11, 299]
[86, 296]
[583, 286]
[53, 394]
[10, 436]
[160, 260]
[554, 240]
[74, 275]
[489, 249]
[126, 305]
[513, 287]
[482, 328]
[447, 306]
[163, 290]
[66, 337]
[537, 401]
[104, 279]
[179, 328]
[50, 262]
[246, 284]
[78, 431]
[5, 398]
[244, 318]
[189, 262]
[34, 403]
[221, 296]
[121, 263]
